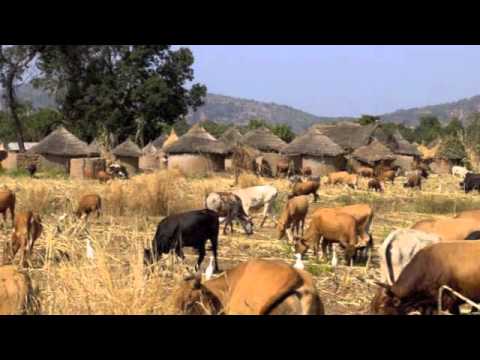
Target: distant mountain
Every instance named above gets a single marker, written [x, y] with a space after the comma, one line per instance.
[230, 110]
[460, 109]
[26, 92]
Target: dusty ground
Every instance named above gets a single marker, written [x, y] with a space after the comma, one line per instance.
[115, 281]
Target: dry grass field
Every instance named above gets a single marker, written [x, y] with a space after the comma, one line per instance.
[115, 282]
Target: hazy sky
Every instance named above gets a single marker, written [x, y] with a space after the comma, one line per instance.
[341, 80]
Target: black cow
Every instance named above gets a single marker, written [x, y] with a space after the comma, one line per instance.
[32, 169]
[190, 229]
[471, 182]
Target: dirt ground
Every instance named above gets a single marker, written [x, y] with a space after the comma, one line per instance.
[115, 281]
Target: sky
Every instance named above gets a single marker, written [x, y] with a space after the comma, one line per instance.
[340, 80]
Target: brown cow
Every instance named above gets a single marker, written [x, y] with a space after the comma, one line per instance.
[307, 171]
[343, 177]
[454, 264]
[376, 185]
[450, 229]
[285, 167]
[333, 227]
[293, 216]
[413, 181]
[103, 176]
[387, 175]
[15, 291]
[89, 203]
[306, 188]
[7, 202]
[28, 228]
[255, 287]
[365, 171]
[469, 214]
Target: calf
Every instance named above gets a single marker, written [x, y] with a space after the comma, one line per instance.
[413, 181]
[32, 169]
[88, 204]
[450, 229]
[333, 227]
[255, 287]
[459, 171]
[387, 175]
[344, 178]
[398, 249]
[365, 171]
[376, 185]
[190, 229]
[229, 206]
[293, 216]
[306, 188]
[28, 228]
[15, 292]
[471, 182]
[256, 197]
[7, 202]
[454, 264]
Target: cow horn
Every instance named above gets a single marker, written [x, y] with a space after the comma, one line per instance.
[382, 285]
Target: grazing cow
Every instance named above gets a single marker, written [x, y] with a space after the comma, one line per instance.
[306, 188]
[229, 206]
[28, 228]
[88, 204]
[471, 182]
[413, 181]
[398, 249]
[460, 171]
[32, 169]
[15, 291]
[103, 176]
[451, 229]
[7, 202]
[189, 229]
[293, 216]
[256, 197]
[344, 178]
[387, 175]
[255, 287]
[333, 227]
[454, 264]
[376, 185]
[365, 171]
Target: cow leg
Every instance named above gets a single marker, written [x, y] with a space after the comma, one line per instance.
[325, 245]
[214, 241]
[266, 210]
[12, 214]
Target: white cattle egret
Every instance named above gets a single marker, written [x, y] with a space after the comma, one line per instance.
[334, 258]
[209, 270]
[299, 263]
[90, 252]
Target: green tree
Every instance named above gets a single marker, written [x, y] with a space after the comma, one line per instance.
[256, 123]
[429, 129]
[454, 127]
[284, 132]
[181, 126]
[214, 128]
[472, 132]
[124, 90]
[368, 119]
[453, 148]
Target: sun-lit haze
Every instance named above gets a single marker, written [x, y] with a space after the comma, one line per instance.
[340, 80]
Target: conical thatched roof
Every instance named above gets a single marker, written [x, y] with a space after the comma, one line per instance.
[171, 139]
[150, 149]
[373, 152]
[313, 143]
[61, 142]
[93, 149]
[264, 140]
[403, 147]
[128, 149]
[231, 137]
[197, 140]
[349, 136]
[159, 141]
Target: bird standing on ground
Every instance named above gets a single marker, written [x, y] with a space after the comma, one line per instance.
[209, 270]
[90, 252]
[299, 263]
[334, 258]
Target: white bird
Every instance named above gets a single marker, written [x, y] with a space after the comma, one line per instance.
[299, 263]
[334, 258]
[209, 270]
[90, 251]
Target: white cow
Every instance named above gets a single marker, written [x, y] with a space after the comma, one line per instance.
[459, 171]
[256, 197]
[398, 250]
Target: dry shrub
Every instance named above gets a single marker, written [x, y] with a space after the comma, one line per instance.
[248, 180]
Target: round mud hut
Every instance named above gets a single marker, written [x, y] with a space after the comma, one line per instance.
[374, 154]
[316, 151]
[128, 154]
[197, 153]
[150, 159]
[231, 138]
[406, 154]
[58, 148]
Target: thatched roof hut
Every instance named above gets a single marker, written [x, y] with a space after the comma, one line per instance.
[316, 151]
[159, 141]
[231, 137]
[128, 154]
[170, 139]
[349, 136]
[264, 140]
[197, 152]
[402, 147]
[373, 153]
[150, 149]
[93, 149]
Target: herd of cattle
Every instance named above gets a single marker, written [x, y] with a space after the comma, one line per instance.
[415, 263]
